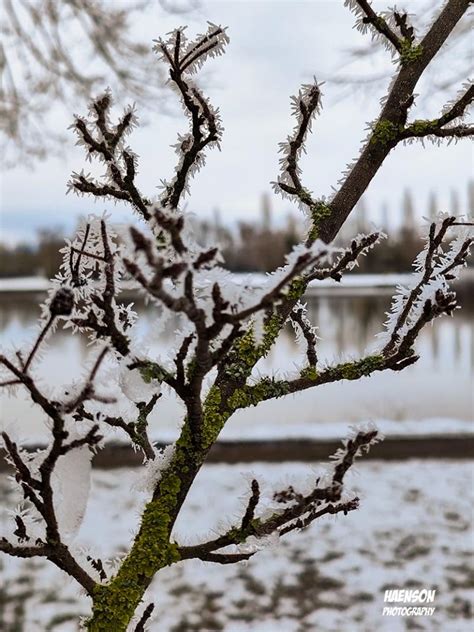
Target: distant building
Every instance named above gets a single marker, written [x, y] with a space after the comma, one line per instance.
[266, 209]
[433, 209]
[409, 221]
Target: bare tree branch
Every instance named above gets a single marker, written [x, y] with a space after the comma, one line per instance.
[379, 24]
[385, 134]
[299, 510]
[204, 120]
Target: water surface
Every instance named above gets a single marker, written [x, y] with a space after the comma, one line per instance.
[439, 385]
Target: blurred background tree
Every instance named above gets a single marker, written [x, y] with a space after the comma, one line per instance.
[62, 52]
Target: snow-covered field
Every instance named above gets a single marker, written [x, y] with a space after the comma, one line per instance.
[413, 530]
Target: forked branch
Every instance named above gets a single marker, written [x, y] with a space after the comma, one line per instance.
[224, 333]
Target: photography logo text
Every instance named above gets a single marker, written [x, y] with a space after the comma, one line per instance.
[414, 603]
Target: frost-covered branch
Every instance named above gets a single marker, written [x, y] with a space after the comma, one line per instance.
[292, 510]
[412, 308]
[303, 262]
[140, 627]
[367, 16]
[35, 473]
[459, 106]
[99, 307]
[106, 142]
[22, 551]
[184, 59]
[455, 131]
[34, 476]
[304, 107]
[430, 295]
[387, 131]
[347, 260]
[304, 327]
[440, 127]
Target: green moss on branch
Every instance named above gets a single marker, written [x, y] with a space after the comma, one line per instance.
[355, 370]
[319, 212]
[422, 127]
[115, 603]
[385, 133]
[410, 52]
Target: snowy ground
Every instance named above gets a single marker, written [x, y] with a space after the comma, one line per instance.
[413, 530]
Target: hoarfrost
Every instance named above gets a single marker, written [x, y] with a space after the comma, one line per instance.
[147, 480]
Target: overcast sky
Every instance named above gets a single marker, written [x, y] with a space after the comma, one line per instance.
[275, 46]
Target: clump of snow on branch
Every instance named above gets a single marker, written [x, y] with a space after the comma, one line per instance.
[147, 480]
[135, 388]
[71, 486]
[255, 544]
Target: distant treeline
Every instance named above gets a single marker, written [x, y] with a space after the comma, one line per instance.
[252, 247]
[40, 259]
[259, 245]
